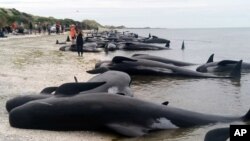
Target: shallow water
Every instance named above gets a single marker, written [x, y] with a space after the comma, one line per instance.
[30, 64]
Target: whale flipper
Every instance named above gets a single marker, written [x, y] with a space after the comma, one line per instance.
[128, 130]
[134, 55]
[210, 59]
[220, 134]
[48, 90]
[165, 103]
[75, 88]
[98, 70]
[119, 59]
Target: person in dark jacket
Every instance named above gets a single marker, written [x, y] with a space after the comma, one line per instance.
[79, 43]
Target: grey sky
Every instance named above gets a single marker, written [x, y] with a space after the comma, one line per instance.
[143, 13]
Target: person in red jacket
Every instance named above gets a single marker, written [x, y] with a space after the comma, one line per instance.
[72, 33]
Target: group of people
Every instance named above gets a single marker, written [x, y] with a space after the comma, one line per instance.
[77, 38]
[42, 28]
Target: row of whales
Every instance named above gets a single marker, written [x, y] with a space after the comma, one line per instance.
[118, 41]
[152, 65]
[105, 102]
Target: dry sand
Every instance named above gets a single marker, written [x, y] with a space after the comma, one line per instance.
[30, 63]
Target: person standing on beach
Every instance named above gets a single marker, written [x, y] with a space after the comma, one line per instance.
[36, 28]
[79, 43]
[48, 28]
[57, 28]
[44, 28]
[30, 27]
[72, 33]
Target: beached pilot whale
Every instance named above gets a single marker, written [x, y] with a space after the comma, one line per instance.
[113, 82]
[67, 91]
[221, 66]
[142, 46]
[155, 39]
[219, 134]
[123, 115]
[135, 66]
[162, 60]
[86, 48]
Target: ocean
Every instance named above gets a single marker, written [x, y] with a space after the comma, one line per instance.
[211, 96]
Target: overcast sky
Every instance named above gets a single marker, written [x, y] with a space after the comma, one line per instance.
[143, 13]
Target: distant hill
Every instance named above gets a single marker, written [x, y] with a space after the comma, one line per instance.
[8, 16]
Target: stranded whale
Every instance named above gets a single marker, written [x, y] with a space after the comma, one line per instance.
[135, 66]
[100, 111]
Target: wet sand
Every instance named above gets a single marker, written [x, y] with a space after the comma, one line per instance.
[30, 63]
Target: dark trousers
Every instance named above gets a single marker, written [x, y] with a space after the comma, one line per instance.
[80, 50]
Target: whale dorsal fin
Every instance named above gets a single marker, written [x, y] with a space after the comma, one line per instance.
[119, 59]
[75, 88]
[210, 59]
[75, 79]
[128, 130]
[227, 62]
[183, 45]
[165, 103]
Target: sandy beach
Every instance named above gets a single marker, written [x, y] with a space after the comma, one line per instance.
[28, 64]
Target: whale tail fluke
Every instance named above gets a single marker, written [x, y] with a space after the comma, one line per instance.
[246, 117]
[236, 72]
[211, 58]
